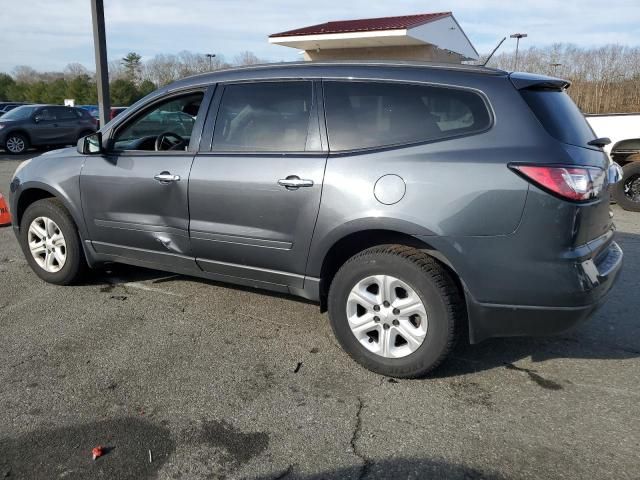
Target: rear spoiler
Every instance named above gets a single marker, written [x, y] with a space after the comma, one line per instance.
[530, 81]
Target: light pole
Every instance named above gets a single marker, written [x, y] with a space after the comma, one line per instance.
[210, 56]
[102, 71]
[518, 36]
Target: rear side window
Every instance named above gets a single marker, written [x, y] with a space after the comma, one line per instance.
[377, 114]
[65, 113]
[559, 116]
[264, 117]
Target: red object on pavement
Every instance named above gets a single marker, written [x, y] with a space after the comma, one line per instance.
[97, 452]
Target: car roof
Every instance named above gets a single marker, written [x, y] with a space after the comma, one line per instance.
[326, 68]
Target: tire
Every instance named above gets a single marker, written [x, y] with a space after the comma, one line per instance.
[74, 265]
[626, 192]
[442, 304]
[16, 143]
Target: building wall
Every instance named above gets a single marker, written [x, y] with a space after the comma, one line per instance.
[423, 53]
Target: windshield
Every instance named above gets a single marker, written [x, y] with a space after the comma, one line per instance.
[20, 113]
[560, 116]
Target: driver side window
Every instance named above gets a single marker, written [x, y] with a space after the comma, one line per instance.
[165, 126]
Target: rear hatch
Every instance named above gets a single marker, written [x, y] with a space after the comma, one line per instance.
[584, 166]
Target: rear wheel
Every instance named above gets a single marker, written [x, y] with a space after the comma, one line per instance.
[626, 192]
[16, 143]
[50, 242]
[395, 310]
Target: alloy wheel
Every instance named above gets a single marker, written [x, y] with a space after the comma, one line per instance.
[15, 144]
[632, 188]
[386, 316]
[47, 244]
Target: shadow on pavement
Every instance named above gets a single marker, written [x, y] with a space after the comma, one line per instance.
[66, 452]
[394, 469]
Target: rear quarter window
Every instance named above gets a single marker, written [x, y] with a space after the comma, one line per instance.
[559, 115]
[378, 114]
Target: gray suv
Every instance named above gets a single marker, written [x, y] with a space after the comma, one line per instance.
[413, 202]
[43, 125]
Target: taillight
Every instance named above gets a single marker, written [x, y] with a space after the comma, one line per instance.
[570, 183]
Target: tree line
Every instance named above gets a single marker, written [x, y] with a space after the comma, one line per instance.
[130, 78]
[604, 79]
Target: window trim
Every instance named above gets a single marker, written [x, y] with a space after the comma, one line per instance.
[196, 133]
[393, 146]
[315, 122]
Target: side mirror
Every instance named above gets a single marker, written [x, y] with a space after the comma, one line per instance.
[37, 118]
[91, 144]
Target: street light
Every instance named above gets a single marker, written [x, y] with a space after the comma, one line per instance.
[518, 36]
[102, 70]
[210, 56]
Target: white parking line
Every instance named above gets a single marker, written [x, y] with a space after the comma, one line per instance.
[142, 286]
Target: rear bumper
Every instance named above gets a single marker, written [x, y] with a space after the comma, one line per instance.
[488, 320]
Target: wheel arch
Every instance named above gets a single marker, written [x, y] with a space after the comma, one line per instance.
[356, 241]
[33, 191]
[21, 131]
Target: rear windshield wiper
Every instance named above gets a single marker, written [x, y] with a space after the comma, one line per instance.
[600, 142]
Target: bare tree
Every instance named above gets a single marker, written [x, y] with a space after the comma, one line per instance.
[247, 58]
[604, 79]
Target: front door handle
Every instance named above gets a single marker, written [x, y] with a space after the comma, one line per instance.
[293, 182]
[165, 178]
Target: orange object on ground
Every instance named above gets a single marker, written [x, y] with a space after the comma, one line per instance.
[97, 452]
[5, 216]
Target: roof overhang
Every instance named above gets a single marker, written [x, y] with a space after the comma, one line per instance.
[444, 33]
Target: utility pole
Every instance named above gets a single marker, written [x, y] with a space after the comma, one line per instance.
[211, 56]
[518, 36]
[102, 69]
[555, 67]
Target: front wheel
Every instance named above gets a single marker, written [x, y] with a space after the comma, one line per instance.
[395, 310]
[626, 192]
[16, 143]
[50, 242]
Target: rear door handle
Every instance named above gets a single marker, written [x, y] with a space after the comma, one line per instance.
[293, 182]
[166, 178]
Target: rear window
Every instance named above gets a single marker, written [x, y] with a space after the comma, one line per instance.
[378, 114]
[559, 116]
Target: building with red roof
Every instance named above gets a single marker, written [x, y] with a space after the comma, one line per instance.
[426, 37]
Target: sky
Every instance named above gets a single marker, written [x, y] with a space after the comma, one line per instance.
[47, 35]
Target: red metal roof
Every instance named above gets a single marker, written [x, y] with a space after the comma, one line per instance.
[365, 25]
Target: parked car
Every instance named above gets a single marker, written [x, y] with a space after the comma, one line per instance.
[115, 111]
[8, 106]
[95, 112]
[43, 125]
[412, 201]
[624, 131]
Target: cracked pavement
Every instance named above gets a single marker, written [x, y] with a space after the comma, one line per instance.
[212, 381]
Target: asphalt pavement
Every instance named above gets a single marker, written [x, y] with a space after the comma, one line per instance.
[185, 378]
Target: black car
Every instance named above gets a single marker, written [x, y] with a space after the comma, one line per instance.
[43, 125]
[8, 106]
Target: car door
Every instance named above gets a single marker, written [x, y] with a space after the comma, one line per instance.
[45, 127]
[134, 197]
[254, 197]
[66, 125]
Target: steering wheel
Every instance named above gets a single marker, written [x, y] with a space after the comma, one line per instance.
[169, 141]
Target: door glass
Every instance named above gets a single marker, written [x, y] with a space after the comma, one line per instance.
[173, 120]
[64, 113]
[46, 114]
[376, 114]
[264, 117]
